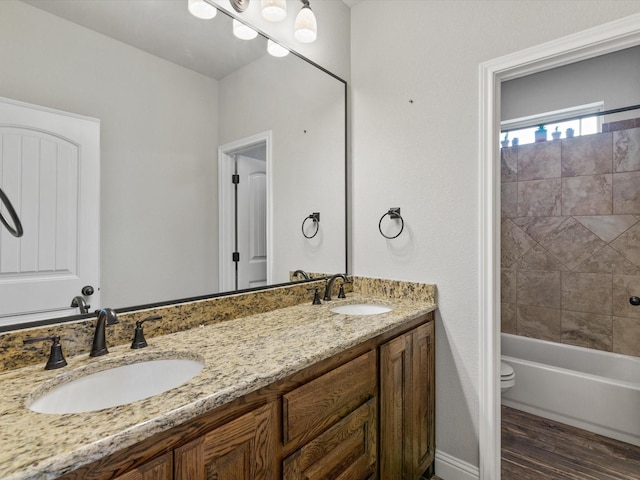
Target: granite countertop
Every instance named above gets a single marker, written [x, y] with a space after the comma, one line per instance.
[240, 356]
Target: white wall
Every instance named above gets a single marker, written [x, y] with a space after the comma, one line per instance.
[423, 156]
[612, 78]
[158, 148]
[304, 110]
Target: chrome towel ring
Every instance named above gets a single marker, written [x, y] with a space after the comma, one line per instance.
[17, 231]
[394, 214]
[315, 217]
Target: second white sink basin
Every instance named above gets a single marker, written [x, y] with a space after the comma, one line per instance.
[117, 386]
[361, 309]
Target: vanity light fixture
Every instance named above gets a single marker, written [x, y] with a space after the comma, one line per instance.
[202, 9]
[242, 31]
[306, 27]
[274, 10]
[275, 49]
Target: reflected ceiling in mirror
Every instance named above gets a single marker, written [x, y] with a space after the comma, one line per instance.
[175, 95]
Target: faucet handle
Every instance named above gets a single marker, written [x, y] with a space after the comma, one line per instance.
[56, 358]
[138, 337]
[316, 296]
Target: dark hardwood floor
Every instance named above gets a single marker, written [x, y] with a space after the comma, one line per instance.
[536, 448]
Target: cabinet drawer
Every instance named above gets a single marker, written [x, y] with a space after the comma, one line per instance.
[347, 451]
[317, 405]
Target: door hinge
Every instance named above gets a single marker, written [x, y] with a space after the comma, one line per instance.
[236, 256]
[235, 179]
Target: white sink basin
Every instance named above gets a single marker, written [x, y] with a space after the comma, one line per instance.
[361, 309]
[117, 386]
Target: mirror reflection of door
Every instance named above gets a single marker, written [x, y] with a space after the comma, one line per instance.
[49, 162]
[251, 218]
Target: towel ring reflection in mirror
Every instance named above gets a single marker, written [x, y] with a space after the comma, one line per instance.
[315, 217]
[16, 231]
[394, 214]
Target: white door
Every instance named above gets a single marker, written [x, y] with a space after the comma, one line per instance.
[252, 222]
[50, 170]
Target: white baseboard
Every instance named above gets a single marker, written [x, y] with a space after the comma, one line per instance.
[452, 468]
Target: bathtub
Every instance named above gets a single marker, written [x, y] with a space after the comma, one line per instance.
[589, 389]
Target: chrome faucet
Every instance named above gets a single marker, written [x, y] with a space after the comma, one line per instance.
[79, 302]
[329, 287]
[106, 316]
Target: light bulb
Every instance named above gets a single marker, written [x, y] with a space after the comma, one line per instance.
[276, 49]
[274, 10]
[202, 9]
[242, 31]
[306, 27]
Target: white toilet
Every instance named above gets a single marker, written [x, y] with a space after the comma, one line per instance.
[507, 377]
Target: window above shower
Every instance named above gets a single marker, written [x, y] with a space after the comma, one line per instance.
[573, 121]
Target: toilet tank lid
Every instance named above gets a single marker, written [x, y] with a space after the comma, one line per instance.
[505, 369]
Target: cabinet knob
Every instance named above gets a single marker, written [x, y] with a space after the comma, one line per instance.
[635, 301]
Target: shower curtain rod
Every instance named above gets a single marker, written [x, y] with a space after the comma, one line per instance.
[576, 117]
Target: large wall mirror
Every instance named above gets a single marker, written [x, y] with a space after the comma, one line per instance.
[182, 106]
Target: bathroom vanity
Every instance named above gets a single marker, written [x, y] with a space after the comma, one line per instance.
[296, 392]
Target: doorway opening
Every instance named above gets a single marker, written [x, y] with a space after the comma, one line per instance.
[244, 213]
[607, 38]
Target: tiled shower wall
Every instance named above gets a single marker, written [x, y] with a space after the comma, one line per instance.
[571, 240]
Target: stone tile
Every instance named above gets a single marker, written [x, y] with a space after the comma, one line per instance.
[587, 155]
[571, 243]
[539, 227]
[508, 285]
[619, 125]
[608, 227]
[509, 164]
[628, 244]
[539, 288]
[538, 160]
[626, 336]
[539, 198]
[508, 322]
[587, 330]
[514, 243]
[537, 258]
[587, 292]
[626, 150]
[542, 323]
[589, 195]
[509, 200]
[607, 260]
[624, 287]
[626, 193]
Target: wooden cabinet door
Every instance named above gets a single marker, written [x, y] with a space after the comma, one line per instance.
[243, 449]
[423, 403]
[346, 451]
[159, 469]
[407, 388]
